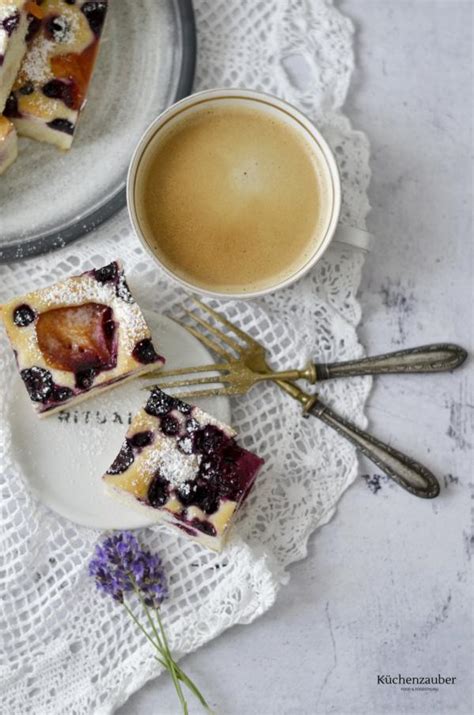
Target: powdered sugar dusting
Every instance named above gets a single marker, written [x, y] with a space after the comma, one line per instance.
[132, 322]
[73, 291]
[174, 466]
[7, 9]
[186, 445]
[33, 348]
[36, 66]
[204, 419]
[66, 26]
[62, 30]
[123, 290]
[178, 468]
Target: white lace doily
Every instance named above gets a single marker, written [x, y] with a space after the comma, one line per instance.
[65, 649]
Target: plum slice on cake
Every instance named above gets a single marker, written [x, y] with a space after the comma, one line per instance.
[77, 337]
[51, 87]
[184, 468]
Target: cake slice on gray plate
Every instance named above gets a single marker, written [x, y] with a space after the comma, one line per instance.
[50, 90]
[14, 22]
[184, 468]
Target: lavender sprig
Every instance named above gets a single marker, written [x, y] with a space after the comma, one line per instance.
[121, 566]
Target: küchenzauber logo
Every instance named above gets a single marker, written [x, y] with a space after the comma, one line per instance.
[415, 680]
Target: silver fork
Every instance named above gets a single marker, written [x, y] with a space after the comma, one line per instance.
[244, 363]
[242, 348]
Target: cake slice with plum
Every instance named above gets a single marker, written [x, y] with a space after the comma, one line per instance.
[14, 22]
[184, 468]
[78, 337]
[50, 90]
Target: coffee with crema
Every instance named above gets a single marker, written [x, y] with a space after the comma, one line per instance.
[232, 196]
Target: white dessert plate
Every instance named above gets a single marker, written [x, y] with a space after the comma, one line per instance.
[146, 62]
[63, 457]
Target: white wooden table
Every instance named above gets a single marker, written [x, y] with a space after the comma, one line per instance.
[386, 586]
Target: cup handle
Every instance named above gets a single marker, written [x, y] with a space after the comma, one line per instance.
[355, 237]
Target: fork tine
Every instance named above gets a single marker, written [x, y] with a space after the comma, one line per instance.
[215, 347]
[243, 336]
[215, 331]
[218, 392]
[167, 384]
[158, 374]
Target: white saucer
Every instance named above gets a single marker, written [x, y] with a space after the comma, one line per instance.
[64, 456]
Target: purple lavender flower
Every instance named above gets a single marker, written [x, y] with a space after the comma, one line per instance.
[121, 565]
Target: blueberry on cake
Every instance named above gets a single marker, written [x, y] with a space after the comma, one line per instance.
[51, 88]
[185, 468]
[77, 337]
[13, 28]
[8, 144]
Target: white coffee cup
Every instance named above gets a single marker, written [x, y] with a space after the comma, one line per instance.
[299, 122]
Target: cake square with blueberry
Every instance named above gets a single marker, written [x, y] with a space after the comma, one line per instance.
[185, 468]
[50, 90]
[14, 21]
[77, 337]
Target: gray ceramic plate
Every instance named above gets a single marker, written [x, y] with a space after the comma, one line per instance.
[146, 63]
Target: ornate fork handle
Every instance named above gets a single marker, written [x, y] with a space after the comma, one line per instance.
[427, 358]
[408, 473]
